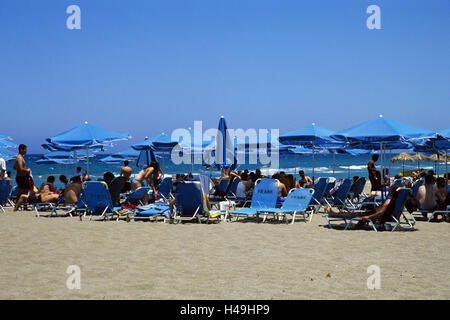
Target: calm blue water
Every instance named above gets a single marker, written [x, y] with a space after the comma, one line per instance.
[288, 163]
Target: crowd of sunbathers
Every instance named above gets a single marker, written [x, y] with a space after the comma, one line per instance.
[432, 195]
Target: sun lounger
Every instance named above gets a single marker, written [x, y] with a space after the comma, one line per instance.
[165, 190]
[189, 202]
[115, 188]
[339, 199]
[404, 193]
[5, 191]
[136, 197]
[297, 202]
[264, 196]
[99, 202]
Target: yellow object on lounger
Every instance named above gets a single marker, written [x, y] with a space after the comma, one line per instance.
[214, 214]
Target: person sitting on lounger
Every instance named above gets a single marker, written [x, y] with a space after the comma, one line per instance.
[383, 213]
[108, 177]
[86, 177]
[304, 181]
[64, 181]
[427, 194]
[243, 186]
[73, 190]
[282, 191]
[126, 172]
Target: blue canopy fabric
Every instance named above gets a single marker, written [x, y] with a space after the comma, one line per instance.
[53, 147]
[7, 144]
[160, 142]
[445, 133]
[55, 161]
[126, 154]
[113, 160]
[145, 158]
[197, 145]
[224, 150]
[86, 135]
[6, 154]
[383, 130]
[300, 150]
[311, 134]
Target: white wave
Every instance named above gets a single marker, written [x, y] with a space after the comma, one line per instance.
[354, 167]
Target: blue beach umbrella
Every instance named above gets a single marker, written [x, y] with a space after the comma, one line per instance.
[6, 154]
[118, 157]
[86, 136]
[384, 132]
[224, 150]
[126, 154]
[161, 142]
[196, 145]
[311, 135]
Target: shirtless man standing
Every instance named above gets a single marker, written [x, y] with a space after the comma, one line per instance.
[23, 174]
[126, 173]
[126, 170]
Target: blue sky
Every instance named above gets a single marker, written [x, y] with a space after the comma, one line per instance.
[146, 67]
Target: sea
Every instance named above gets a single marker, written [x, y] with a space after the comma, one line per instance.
[325, 165]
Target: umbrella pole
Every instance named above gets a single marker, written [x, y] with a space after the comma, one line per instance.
[348, 160]
[295, 160]
[334, 163]
[75, 162]
[313, 162]
[446, 166]
[87, 160]
[403, 171]
[382, 176]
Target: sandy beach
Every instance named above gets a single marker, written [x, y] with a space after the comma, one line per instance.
[144, 260]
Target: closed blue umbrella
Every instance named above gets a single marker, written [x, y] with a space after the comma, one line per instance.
[224, 150]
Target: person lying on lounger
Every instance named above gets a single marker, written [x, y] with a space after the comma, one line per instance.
[383, 213]
[46, 195]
